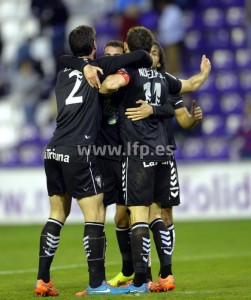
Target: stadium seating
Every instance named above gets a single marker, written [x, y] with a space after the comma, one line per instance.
[216, 29]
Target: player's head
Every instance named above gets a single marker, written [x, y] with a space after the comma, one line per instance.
[82, 40]
[139, 38]
[158, 57]
[113, 47]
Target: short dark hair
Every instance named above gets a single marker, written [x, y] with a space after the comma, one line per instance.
[114, 43]
[81, 40]
[162, 58]
[139, 38]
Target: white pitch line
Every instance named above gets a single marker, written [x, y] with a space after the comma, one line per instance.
[74, 266]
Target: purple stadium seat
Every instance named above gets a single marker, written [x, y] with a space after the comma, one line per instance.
[209, 102]
[233, 124]
[231, 103]
[217, 148]
[213, 125]
[9, 158]
[245, 80]
[247, 96]
[194, 39]
[192, 20]
[227, 81]
[193, 148]
[213, 17]
[223, 59]
[191, 61]
[209, 85]
[30, 134]
[235, 16]
[30, 155]
[218, 38]
[238, 37]
[243, 58]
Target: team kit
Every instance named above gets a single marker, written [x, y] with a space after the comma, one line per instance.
[114, 144]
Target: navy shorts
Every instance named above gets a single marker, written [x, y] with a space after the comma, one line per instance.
[68, 172]
[146, 182]
[112, 176]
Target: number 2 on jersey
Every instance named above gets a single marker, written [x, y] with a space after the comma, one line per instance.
[71, 99]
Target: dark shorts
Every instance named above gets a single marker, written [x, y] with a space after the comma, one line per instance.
[68, 172]
[147, 182]
[112, 177]
[174, 187]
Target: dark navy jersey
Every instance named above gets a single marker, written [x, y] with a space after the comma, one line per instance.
[109, 133]
[79, 114]
[149, 134]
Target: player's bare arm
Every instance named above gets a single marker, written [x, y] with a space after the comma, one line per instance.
[187, 120]
[143, 111]
[196, 81]
[113, 82]
[91, 74]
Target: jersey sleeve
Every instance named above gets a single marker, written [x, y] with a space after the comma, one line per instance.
[135, 59]
[176, 101]
[174, 83]
[165, 110]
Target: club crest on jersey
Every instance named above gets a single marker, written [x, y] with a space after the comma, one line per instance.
[51, 154]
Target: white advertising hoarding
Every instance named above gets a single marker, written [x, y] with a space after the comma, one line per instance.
[208, 191]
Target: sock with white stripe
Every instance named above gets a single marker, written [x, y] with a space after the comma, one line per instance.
[49, 241]
[163, 246]
[95, 245]
[172, 234]
[140, 243]
[124, 242]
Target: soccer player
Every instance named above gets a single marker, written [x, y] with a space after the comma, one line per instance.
[110, 163]
[70, 173]
[186, 120]
[145, 169]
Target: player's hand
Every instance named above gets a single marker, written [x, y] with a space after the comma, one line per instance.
[205, 66]
[139, 113]
[196, 112]
[91, 75]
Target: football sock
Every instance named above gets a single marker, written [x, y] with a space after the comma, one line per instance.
[149, 268]
[95, 245]
[124, 242]
[149, 274]
[172, 235]
[49, 240]
[140, 242]
[162, 241]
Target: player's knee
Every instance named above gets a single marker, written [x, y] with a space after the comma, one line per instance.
[121, 220]
[167, 215]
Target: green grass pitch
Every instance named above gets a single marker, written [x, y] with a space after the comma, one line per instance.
[212, 260]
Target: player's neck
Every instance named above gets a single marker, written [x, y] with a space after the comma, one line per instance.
[87, 56]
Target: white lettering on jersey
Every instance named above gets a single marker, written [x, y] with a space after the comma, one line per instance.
[71, 99]
[149, 164]
[51, 154]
